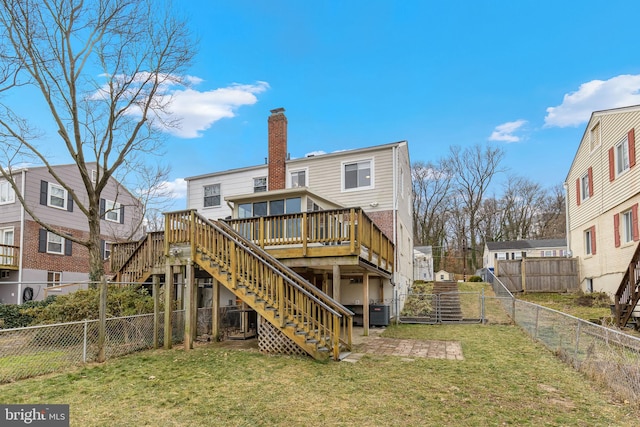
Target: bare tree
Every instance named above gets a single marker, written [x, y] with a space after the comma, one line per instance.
[551, 221]
[432, 191]
[522, 204]
[100, 70]
[473, 170]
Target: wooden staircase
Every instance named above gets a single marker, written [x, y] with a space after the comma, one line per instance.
[628, 293]
[314, 321]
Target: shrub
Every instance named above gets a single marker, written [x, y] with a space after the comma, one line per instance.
[84, 304]
[18, 316]
[593, 299]
[475, 279]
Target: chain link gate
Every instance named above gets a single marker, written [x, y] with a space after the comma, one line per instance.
[444, 307]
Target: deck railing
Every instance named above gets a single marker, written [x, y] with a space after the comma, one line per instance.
[9, 256]
[131, 260]
[320, 320]
[345, 227]
[628, 293]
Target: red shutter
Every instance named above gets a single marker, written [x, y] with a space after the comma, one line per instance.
[634, 222]
[590, 182]
[631, 138]
[578, 191]
[616, 229]
[593, 240]
[612, 174]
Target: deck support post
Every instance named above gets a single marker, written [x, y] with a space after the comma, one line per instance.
[190, 307]
[215, 309]
[365, 303]
[336, 282]
[168, 306]
[156, 309]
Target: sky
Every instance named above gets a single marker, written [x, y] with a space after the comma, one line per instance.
[524, 75]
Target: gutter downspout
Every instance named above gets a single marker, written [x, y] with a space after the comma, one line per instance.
[566, 220]
[21, 250]
[394, 155]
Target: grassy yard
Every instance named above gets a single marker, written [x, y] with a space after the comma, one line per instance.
[505, 379]
[584, 306]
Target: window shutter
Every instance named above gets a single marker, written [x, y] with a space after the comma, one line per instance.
[101, 248]
[102, 208]
[44, 187]
[631, 138]
[616, 229]
[121, 214]
[578, 191]
[634, 222]
[68, 246]
[42, 240]
[612, 174]
[69, 202]
[593, 240]
[590, 181]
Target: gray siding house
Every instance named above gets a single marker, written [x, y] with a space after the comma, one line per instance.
[35, 262]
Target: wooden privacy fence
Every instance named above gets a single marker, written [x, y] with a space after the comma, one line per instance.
[539, 274]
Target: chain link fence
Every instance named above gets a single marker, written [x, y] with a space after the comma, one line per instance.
[444, 307]
[604, 354]
[36, 350]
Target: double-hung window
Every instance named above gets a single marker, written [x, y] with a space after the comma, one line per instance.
[112, 211]
[627, 227]
[55, 244]
[7, 195]
[298, 178]
[622, 156]
[584, 186]
[57, 196]
[260, 184]
[358, 175]
[211, 195]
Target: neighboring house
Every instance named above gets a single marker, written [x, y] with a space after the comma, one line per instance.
[496, 251]
[603, 192]
[444, 276]
[423, 263]
[375, 180]
[31, 258]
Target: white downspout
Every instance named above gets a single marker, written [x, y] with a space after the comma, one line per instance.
[21, 249]
[395, 225]
[566, 214]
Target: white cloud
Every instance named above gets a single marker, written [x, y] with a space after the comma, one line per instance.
[176, 189]
[197, 111]
[179, 108]
[504, 132]
[576, 107]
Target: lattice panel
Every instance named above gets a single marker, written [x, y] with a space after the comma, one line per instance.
[271, 340]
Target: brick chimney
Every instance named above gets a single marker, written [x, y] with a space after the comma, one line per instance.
[277, 149]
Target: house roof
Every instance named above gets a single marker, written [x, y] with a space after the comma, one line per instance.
[526, 244]
[427, 250]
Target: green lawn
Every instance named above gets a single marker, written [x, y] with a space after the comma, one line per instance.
[505, 379]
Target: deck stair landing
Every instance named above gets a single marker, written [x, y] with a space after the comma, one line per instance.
[628, 293]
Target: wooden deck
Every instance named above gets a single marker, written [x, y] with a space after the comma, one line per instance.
[9, 257]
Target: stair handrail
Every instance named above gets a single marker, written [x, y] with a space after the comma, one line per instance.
[273, 261]
[626, 293]
[141, 245]
[271, 267]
